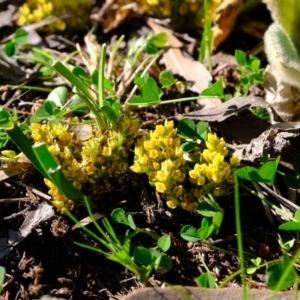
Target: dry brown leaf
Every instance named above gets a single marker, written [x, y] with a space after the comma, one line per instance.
[118, 12]
[11, 169]
[227, 109]
[33, 219]
[225, 16]
[190, 69]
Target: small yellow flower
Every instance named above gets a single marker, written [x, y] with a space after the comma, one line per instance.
[139, 150]
[172, 203]
[144, 160]
[160, 187]
[25, 10]
[155, 166]
[218, 160]
[161, 176]
[177, 175]
[234, 161]
[218, 191]
[154, 154]
[178, 190]
[193, 174]
[169, 125]
[201, 180]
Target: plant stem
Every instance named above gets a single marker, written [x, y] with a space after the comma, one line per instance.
[237, 210]
[101, 76]
[28, 87]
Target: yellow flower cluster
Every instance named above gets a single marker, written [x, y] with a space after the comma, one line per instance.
[160, 156]
[213, 173]
[33, 11]
[186, 12]
[90, 165]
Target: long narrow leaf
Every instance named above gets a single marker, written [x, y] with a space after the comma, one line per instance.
[55, 173]
[73, 79]
[22, 142]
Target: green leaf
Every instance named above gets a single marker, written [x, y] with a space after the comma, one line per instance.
[21, 36]
[297, 215]
[215, 90]
[204, 209]
[76, 104]
[151, 48]
[205, 232]
[202, 129]
[109, 85]
[5, 118]
[240, 57]
[187, 128]
[206, 222]
[80, 72]
[265, 174]
[131, 222]
[145, 273]
[257, 261]
[296, 164]
[166, 78]
[59, 96]
[142, 255]
[10, 48]
[49, 107]
[2, 277]
[22, 142]
[217, 221]
[109, 113]
[251, 270]
[45, 71]
[268, 171]
[206, 280]
[164, 243]
[276, 273]
[288, 246]
[160, 39]
[73, 79]
[150, 90]
[189, 233]
[140, 81]
[189, 146]
[118, 215]
[290, 226]
[255, 64]
[40, 115]
[165, 264]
